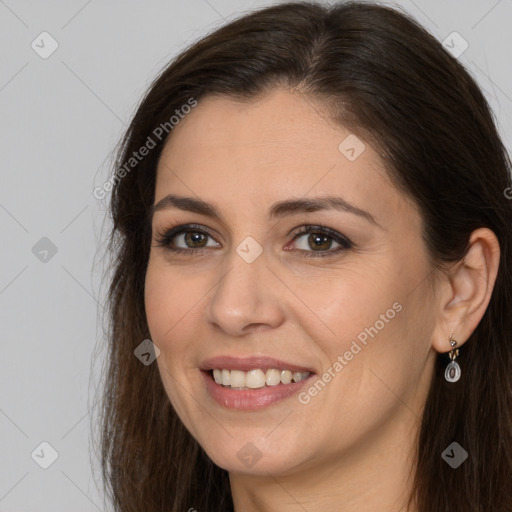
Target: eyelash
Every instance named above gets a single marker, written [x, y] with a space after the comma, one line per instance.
[165, 239]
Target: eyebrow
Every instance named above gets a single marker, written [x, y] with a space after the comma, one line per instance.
[277, 210]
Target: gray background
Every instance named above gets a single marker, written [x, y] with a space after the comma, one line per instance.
[61, 118]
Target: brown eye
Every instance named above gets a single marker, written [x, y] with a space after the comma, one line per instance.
[195, 239]
[186, 239]
[320, 241]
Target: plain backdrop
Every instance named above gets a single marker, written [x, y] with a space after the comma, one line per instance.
[61, 116]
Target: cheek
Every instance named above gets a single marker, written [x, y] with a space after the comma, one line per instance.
[159, 303]
[346, 306]
[169, 302]
[369, 326]
[169, 298]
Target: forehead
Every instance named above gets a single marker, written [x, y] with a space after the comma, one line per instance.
[279, 146]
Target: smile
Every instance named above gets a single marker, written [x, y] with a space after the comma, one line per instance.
[249, 383]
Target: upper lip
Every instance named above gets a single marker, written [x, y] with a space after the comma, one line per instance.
[251, 363]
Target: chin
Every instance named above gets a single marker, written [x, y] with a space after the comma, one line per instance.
[246, 457]
[264, 466]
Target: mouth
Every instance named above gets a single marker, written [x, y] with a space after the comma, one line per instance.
[254, 382]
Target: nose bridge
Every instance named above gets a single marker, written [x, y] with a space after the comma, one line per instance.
[244, 295]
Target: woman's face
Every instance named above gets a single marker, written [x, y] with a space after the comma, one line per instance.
[261, 301]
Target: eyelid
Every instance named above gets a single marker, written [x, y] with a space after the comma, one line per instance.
[181, 228]
[318, 228]
[163, 238]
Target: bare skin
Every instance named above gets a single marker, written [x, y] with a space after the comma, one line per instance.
[349, 447]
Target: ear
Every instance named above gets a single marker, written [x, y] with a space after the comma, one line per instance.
[466, 290]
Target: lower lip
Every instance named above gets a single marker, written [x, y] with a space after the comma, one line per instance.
[250, 399]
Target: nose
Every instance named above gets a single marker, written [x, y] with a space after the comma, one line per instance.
[246, 297]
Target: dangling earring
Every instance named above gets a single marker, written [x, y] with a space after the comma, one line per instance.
[452, 372]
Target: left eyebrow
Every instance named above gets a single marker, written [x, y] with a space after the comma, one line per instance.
[294, 206]
[277, 210]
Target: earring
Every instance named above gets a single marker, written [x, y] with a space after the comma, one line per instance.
[452, 372]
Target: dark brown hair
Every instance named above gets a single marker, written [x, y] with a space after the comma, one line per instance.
[389, 81]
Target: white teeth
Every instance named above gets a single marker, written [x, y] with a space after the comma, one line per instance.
[237, 379]
[286, 376]
[226, 378]
[257, 378]
[273, 377]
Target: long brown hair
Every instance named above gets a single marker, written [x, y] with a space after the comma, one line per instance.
[393, 84]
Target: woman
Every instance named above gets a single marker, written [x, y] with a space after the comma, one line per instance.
[311, 297]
